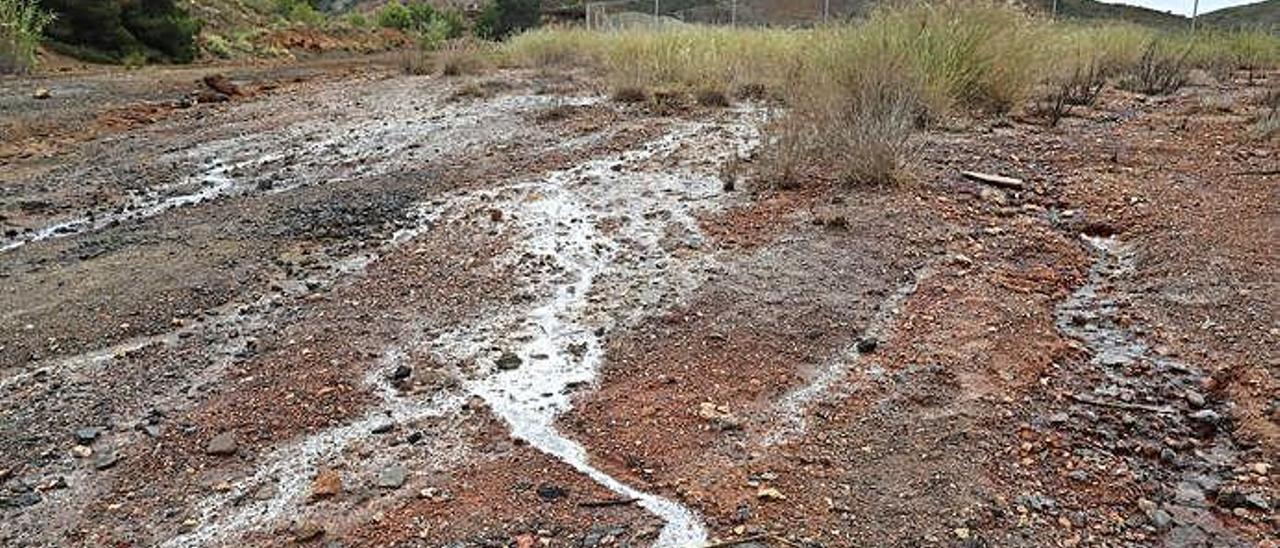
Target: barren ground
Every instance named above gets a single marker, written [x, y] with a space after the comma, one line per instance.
[357, 308]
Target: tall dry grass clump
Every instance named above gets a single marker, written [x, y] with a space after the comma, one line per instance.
[862, 91]
[22, 23]
[855, 123]
[1267, 125]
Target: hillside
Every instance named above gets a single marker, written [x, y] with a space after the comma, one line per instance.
[1090, 9]
[1262, 14]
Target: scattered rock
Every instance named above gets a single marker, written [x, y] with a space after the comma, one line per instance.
[222, 444]
[1259, 501]
[994, 196]
[307, 531]
[401, 372]
[207, 96]
[327, 484]
[86, 436]
[392, 477]
[221, 84]
[1206, 416]
[719, 415]
[42, 93]
[81, 451]
[1037, 502]
[266, 491]
[1194, 398]
[433, 494]
[550, 492]
[30, 498]
[106, 460]
[770, 493]
[867, 345]
[508, 361]
[602, 535]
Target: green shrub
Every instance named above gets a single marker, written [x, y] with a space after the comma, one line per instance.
[430, 38]
[357, 20]
[21, 22]
[300, 11]
[421, 17]
[395, 15]
[217, 46]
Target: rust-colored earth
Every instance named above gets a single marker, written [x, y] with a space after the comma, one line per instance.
[351, 307]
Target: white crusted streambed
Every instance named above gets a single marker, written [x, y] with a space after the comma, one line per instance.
[599, 246]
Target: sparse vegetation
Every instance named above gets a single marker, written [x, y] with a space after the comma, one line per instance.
[711, 98]
[854, 92]
[300, 12]
[1267, 125]
[433, 27]
[21, 23]
[630, 95]
[463, 57]
[1158, 71]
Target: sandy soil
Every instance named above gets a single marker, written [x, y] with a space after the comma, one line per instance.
[355, 308]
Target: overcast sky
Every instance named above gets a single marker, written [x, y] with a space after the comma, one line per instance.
[1182, 6]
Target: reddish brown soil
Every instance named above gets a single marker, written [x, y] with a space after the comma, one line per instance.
[886, 366]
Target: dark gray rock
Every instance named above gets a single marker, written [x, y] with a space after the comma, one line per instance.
[508, 361]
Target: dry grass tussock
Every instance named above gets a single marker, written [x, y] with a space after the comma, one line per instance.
[460, 57]
[1267, 125]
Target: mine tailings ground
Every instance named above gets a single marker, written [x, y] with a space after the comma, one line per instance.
[351, 307]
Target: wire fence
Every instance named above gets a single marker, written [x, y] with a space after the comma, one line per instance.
[622, 14]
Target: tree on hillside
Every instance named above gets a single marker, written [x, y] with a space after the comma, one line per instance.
[113, 29]
[502, 18]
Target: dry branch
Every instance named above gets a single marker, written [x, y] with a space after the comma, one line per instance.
[994, 180]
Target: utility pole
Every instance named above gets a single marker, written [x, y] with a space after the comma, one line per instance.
[1055, 9]
[733, 13]
[655, 13]
[826, 10]
[1195, 11]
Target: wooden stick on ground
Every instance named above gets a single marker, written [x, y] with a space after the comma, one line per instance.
[994, 180]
